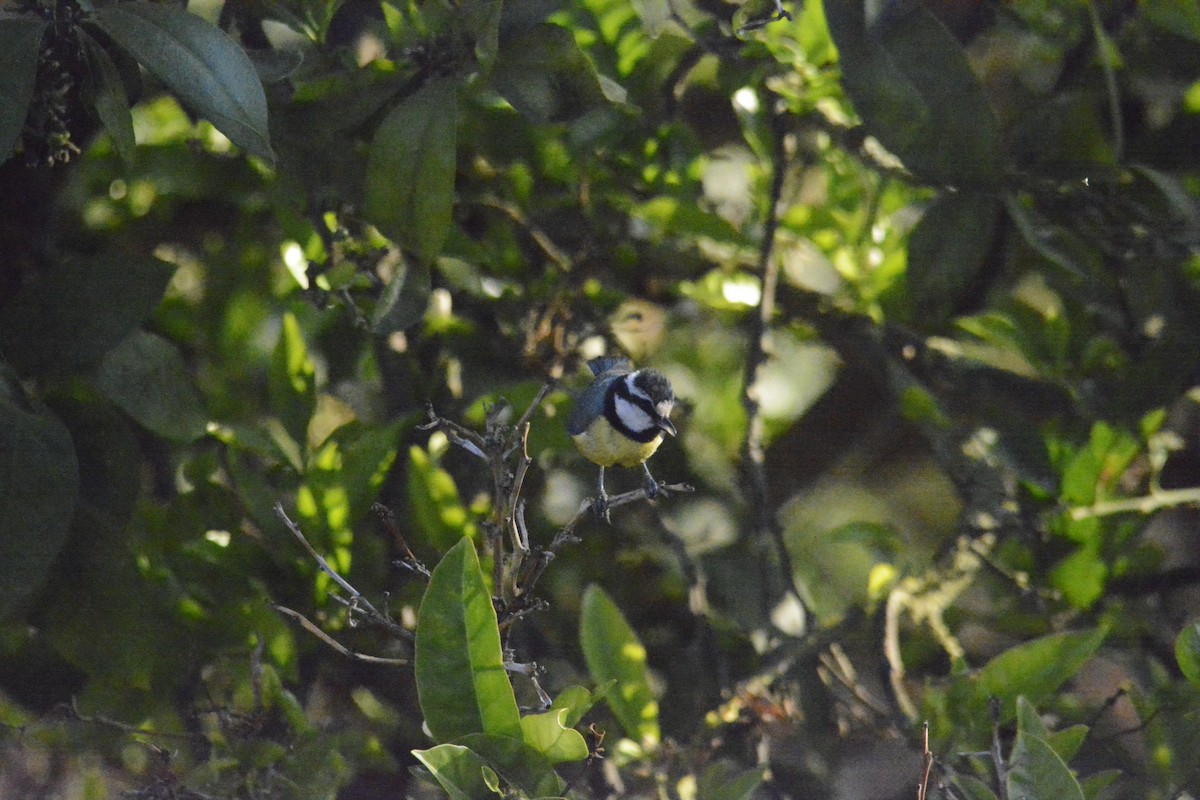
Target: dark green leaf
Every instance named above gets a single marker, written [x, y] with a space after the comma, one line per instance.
[613, 652]
[146, 377]
[107, 94]
[1036, 669]
[1057, 245]
[404, 301]
[914, 89]
[1187, 652]
[1035, 772]
[293, 383]
[20, 41]
[546, 77]
[37, 493]
[458, 770]
[972, 788]
[462, 686]
[410, 173]
[724, 781]
[201, 64]
[947, 252]
[74, 312]
[518, 764]
[1180, 17]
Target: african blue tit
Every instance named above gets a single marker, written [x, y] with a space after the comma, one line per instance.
[621, 418]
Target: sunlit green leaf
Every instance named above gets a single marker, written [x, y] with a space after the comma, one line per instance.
[200, 63]
[548, 734]
[410, 172]
[79, 309]
[461, 682]
[433, 496]
[20, 40]
[517, 763]
[457, 769]
[145, 376]
[613, 652]
[37, 493]
[293, 380]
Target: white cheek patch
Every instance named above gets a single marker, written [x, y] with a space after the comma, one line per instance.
[634, 418]
[664, 408]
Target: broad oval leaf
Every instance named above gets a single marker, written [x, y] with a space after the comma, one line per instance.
[1036, 669]
[410, 172]
[1187, 652]
[37, 494]
[548, 734]
[613, 652]
[947, 251]
[458, 769]
[914, 89]
[1035, 772]
[107, 94]
[147, 379]
[20, 41]
[77, 310]
[462, 686]
[202, 65]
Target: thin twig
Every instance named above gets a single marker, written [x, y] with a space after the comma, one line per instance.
[389, 522]
[567, 535]
[312, 628]
[1148, 504]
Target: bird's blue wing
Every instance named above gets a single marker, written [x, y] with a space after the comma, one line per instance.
[588, 405]
[615, 364]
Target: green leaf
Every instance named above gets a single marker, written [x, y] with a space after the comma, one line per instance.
[1036, 669]
[1081, 576]
[404, 300]
[724, 781]
[462, 686]
[544, 75]
[518, 764]
[947, 251]
[613, 652]
[1179, 18]
[146, 377]
[1187, 652]
[77, 310]
[458, 769]
[972, 788]
[293, 383]
[37, 493]
[20, 41]
[1035, 772]
[577, 701]
[202, 65]
[549, 734]
[435, 502]
[914, 89]
[106, 92]
[410, 172]
[1061, 248]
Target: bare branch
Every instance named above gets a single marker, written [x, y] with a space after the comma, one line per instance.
[312, 628]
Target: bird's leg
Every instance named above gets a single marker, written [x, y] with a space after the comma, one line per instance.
[652, 487]
[600, 504]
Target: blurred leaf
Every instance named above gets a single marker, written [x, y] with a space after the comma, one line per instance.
[458, 770]
[724, 781]
[462, 686]
[410, 172]
[1187, 652]
[548, 734]
[107, 94]
[613, 652]
[947, 252]
[436, 506]
[546, 77]
[20, 41]
[404, 300]
[1035, 772]
[69, 317]
[146, 377]
[1065, 743]
[1098, 465]
[1036, 669]
[914, 89]
[1057, 245]
[201, 64]
[293, 383]
[37, 493]
[1179, 18]
[972, 788]
[1095, 784]
[1081, 576]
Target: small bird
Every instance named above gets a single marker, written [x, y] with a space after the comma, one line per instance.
[620, 419]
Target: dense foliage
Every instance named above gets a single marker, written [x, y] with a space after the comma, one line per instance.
[294, 296]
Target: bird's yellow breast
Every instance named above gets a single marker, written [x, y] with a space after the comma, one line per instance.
[603, 444]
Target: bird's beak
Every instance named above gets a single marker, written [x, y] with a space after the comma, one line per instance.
[666, 425]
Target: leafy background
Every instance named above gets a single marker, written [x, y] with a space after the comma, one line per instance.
[923, 275]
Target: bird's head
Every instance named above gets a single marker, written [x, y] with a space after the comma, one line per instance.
[647, 402]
